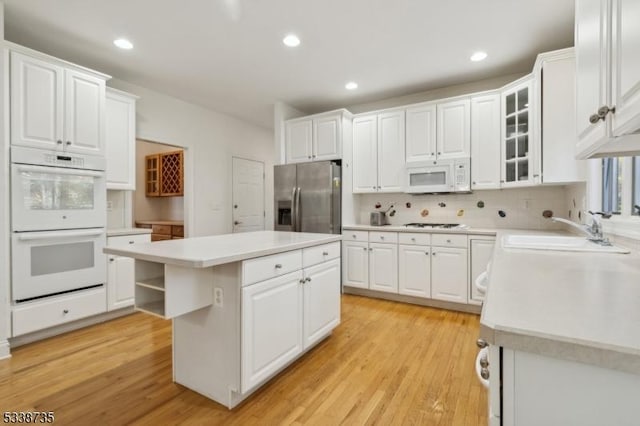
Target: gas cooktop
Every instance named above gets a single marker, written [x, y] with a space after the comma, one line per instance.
[433, 225]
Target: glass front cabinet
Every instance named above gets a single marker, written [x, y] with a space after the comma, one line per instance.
[518, 148]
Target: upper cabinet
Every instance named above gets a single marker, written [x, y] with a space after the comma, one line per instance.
[485, 141]
[438, 131]
[517, 133]
[120, 140]
[315, 138]
[378, 152]
[164, 174]
[55, 105]
[607, 40]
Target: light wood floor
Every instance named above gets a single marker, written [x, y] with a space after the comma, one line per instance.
[387, 363]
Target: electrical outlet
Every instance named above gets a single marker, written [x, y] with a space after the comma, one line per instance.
[218, 297]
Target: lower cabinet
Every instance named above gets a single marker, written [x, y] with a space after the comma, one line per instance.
[286, 315]
[449, 274]
[481, 249]
[414, 270]
[383, 267]
[355, 267]
[121, 272]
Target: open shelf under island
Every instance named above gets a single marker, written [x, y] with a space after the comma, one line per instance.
[244, 306]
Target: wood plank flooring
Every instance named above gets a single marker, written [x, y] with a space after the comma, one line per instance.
[387, 363]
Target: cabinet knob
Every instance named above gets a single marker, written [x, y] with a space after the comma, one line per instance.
[427, 253]
[449, 241]
[381, 237]
[413, 239]
[131, 242]
[370, 249]
[235, 222]
[364, 248]
[68, 143]
[535, 176]
[309, 157]
[65, 311]
[378, 187]
[433, 254]
[433, 153]
[474, 182]
[439, 153]
[308, 279]
[604, 110]
[301, 280]
[278, 266]
[484, 373]
[481, 343]
[484, 363]
[59, 142]
[501, 181]
[594, 118]
[313, 156]
[112, 259]
[373, 187]
[354, 235]
[325, 253]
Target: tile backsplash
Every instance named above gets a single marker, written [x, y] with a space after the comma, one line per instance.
[519, 208]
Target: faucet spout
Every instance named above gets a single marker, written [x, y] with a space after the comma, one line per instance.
[583, 228]
[593, 231]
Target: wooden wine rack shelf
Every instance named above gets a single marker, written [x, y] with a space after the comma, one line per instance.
[164, 175]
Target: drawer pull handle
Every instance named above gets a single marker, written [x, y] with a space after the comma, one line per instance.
[131, 242]
[413, 239]
[308, 279]
[278, 266]
[449, 241]
[301, 280]
[66, 311]
[382, 238]
[325, 253]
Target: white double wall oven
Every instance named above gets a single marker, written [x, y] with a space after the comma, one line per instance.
[58, 219]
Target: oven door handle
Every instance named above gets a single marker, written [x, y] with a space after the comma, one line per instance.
[56, 235]
[60, 171]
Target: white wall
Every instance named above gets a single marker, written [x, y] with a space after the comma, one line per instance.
[210, 139]
[4, 199]
[282, 112]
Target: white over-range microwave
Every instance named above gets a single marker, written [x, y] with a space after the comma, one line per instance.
[451, 175]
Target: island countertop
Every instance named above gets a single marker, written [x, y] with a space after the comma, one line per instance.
[203, 252]
[571, 305]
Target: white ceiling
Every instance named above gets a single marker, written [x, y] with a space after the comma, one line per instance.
[195, 50]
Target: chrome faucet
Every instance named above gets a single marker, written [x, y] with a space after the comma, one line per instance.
[593, 230]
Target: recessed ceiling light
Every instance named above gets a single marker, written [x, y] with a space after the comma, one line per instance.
[123, 43]
[352, 85]
[291, 40]
[478, 56]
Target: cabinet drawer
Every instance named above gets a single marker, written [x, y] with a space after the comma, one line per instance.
[264, 268]
[355, 236]
[177, 230]
[414, 238]
[161, 229]
[319, 254]
[125, 240]
[59, 310]
[449, 240]
[383, 237]
[160, 237]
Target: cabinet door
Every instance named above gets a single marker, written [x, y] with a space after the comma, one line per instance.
[383, 267]
[36, 102]
[321, 301]
[355, 264]
[120, 141]
[421, 133]
[485, 142]
[481, 251]
[391, 168]
[365, 154]
[454, 129]
[327, 138]
[298, 140]
[625, 66]
[271, 327]
[414, 270]
[449, 274]
[591, 77]
[518, 134]
[120, 282]
[84, 113]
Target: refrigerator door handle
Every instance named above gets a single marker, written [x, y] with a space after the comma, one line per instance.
[298, 227]
[294, 213]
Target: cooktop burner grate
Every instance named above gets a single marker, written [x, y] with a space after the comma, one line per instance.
[432, 225]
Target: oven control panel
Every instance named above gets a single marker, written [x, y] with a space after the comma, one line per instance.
[64, 160]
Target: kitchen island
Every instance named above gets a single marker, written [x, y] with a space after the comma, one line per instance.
[244, 306]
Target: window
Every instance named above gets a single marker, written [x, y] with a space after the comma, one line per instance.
[612, 180]
[636, 186]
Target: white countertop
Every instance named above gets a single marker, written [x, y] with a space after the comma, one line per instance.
[202, 252]
[402, 228]
[127, 231]
[578, 306]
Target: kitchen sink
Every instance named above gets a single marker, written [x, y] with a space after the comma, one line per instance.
[557, 242]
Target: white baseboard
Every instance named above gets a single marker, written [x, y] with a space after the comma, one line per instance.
[5, 351]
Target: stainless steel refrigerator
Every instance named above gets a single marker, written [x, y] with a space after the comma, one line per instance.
[307, 197]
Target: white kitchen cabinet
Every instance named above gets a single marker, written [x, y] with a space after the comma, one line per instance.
[383, 267]
[315, 138]
[120, 140]
[55, 106]
[414, 270]
[454, 129]
[421, 133]
[485, 141]
[378, 152]
[355, 265]
[321, 301]
[480, 252]
[121, 272]
[449, 274]
[607, 39]
[272, 327]
[555, 98]
[518, 136]
[298, 140]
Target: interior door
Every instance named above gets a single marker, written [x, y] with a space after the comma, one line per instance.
[248, 195]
